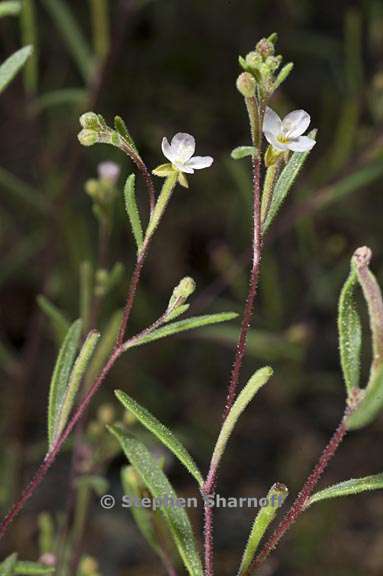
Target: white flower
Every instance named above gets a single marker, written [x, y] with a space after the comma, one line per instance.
[286, 134]
[180, 153]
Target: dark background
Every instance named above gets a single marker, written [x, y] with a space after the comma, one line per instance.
[172, 67]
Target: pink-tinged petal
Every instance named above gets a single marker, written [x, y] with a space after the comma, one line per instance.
[183, 147]
[295, 123]
[167, 149]
[281, 146]
[301, 144]
[182, 167]
[271, 122]
[199, 162]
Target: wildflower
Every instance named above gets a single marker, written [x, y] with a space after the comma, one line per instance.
[286, 134]
[180, 153]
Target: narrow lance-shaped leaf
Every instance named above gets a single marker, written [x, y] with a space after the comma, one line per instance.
[104, 348]
[275, 498]
[132, 210]
[76, 375]
[59, 322]
[159, 487]
[243, 151]
[30, 37]
[12, 65]
[142, 516]
[284, 183]
[350, 333]
[72, 34]
[349, 488]
[122, 129]
[30, 568]
[10, 8]
[163, 433]
[371, 403]
[258, 380]
[60, 377]
[180, 326]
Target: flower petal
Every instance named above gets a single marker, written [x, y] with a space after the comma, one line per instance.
[271, 122]
[199, 162]
[182, 147]
[301, 144]
[182, 167]
[295, 123]
[167, 149]
[275, 143]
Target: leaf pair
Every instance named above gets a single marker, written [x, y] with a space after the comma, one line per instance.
[66, 378]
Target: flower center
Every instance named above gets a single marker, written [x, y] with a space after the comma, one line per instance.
[282, 139]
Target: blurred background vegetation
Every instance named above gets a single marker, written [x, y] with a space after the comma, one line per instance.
[168, 66]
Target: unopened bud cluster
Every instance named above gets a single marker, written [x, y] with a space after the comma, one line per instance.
[182, 292]
[260, 69]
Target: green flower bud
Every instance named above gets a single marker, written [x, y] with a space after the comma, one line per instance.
[106, 414]
[265, 48]
[90, 121]
[87, 137]
[182, 292]
[91, 187]
[246, 84]
[253, 59]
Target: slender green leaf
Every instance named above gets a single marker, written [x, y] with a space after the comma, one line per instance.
[180, 326]
[121, 128]
[142, 516]
[243, 152]
[59, 322]
[370, 405]
[104, 348]
[162, 432]
[350, 333]
[67, 24]
[60, 378]
[86, 292]
[47, 536]
[75, 378]
[275, 498]
[159, 487]
[8, 565]
[284, 183]
[29, 37]
[26, 568]
[22, 191]
[349, 488]
[132, 210]
[258, 380]
[12, 65]
[10, 8]
[63, 97]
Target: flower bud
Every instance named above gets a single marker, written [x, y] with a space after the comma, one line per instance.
[105, 414]
[87, 137]
[182, 292]
[90, 121]
[246, 84]
[265, 48]
[109, 171]
[253, 59]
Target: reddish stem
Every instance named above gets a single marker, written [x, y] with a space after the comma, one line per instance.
[301, 500]
[210, 484]
[52, 454]
[131, 295]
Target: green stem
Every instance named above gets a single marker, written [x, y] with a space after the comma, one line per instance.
[160, 206]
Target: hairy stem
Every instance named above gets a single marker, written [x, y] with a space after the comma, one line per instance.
[301, 500]
[255, 118]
